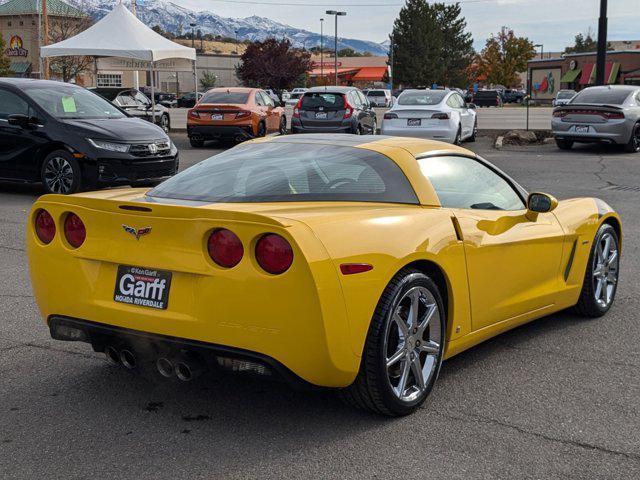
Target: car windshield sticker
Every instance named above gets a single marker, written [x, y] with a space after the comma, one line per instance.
[69, 105]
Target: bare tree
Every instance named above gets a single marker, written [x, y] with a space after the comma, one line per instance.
[62, 27]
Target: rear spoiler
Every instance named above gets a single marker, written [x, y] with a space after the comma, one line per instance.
[144, 208]
[590, 106]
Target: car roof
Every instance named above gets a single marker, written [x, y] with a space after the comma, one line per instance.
[629, 88]
[22, 82]
[330, 89]
[232, 89]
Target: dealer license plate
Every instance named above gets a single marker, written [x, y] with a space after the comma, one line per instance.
[582, 128]
[217, 116]
[414, 122]
[143, 287]
[321, 115]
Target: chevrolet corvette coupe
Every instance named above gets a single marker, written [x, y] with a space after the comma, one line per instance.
[328, 260]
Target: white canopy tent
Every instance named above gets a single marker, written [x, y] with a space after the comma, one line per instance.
[121, 34]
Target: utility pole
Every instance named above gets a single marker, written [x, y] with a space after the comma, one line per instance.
[336, 14]
[391, 62]
[602, 44]
[322, 49]
[45, 38]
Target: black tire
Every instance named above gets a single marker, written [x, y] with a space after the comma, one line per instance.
[564, 144]
[196, 142]
[165, 123]
[358, 130]
[60, 173]
[474, 135]
[262, 130]
[283, 126]
[372, 390]
[633, 146]
[587, 305]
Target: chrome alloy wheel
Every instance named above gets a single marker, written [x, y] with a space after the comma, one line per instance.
[412, 343]
[58, 175]
[605, 270]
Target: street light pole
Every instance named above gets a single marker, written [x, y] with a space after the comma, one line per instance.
[602, 43]
[322, 49]
[336, 14]
[391, 62]
[541, 49]
[193, 35]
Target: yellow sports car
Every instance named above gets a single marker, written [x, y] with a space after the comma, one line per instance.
[357, 263]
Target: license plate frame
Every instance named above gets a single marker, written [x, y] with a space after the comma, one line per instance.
[142, 287]
[217, 116]
[414, 122]
[321, 115]
[582, 128]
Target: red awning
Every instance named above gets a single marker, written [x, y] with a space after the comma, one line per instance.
[371, 74]
[317, 72]
[587, 69]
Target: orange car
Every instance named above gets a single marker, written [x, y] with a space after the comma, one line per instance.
[234, 114]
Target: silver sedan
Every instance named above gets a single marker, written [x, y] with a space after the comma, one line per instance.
[609, 114]
[435, 114]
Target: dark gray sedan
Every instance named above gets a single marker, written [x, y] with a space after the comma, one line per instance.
[334, 110]
[609, 114]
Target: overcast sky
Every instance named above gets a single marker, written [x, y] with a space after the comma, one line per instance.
[553, 23]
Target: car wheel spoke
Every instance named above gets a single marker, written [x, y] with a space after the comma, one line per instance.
[396, 357]
[430, 347]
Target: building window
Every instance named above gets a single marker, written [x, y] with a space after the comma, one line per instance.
[109, 80]
[8, 24]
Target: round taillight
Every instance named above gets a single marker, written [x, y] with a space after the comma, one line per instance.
[274, 254]
[45, 226]
[74, 230]
[225, 248]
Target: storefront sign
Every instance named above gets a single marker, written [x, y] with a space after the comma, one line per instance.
[128, 64]
[15, 48]
[545, 82]
[324, 64]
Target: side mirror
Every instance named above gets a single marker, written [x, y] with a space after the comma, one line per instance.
[472, 106]
[19, 120]
[541, 202]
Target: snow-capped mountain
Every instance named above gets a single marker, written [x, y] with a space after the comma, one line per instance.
[176, 19]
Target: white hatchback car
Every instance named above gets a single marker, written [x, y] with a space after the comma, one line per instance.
[435, 114]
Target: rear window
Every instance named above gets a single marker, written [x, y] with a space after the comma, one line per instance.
[291, 172]
[328, 101]
[375, 93]
[225, 97]
[426, 97]
[612, 96]
[565, 95]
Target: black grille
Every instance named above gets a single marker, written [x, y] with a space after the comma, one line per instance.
[159, 148]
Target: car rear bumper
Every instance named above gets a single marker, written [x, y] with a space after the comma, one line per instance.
[215, 132]
[618, 133]
[298, 127]
[447, 134]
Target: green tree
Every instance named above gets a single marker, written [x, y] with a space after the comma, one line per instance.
[208, 80]
[431, 44]
[4, 61]
[503, 57]
[584, 43]
[272, 64]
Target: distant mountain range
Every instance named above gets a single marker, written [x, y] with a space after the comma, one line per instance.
[176, 19]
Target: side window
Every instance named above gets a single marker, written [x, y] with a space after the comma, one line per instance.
[462, 182]
[362, 98]
[126, 100]
[260, 99]
[142, 99]
[268, 101]
[451, 101]
[11, 104]
[460, 100]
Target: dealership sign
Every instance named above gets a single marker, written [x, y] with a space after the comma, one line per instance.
[128, 64]
[15, 48]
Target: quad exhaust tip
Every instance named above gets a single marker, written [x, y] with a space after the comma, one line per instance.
[165, 367]
[128, 359]
[184, 372]
[112, 355]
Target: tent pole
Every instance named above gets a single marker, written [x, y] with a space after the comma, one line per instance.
[153, 94]
[195, 79]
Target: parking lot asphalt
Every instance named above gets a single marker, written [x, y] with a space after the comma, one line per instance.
[507, 118]
[557, 398]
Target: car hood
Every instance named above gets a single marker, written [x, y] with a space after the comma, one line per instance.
[119, 129]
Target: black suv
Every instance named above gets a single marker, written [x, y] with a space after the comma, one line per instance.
[136, 104]
[334, 110]
[69, 139]
[487, 98]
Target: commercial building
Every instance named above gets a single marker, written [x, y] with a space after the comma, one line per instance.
[21, 28]
[578, 70]
[357, 71]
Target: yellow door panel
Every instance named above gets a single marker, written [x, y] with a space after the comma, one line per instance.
[513, 262]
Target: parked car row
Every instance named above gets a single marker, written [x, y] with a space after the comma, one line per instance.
[137, 104]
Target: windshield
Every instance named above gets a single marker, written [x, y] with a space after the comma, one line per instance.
[239, 98]
[565, 95]
[291, 172]
[424, 97]
[375, 93]
[609, 96]
[68, 101]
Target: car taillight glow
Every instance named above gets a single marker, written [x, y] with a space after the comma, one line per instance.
[194, 114]
[296, 109]
[348, 109]
[74, 230]
[225, 248]
[440, 116]
[274, 254]
[45, 226]
[390, 116]
[560, 113]
[243, 114]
